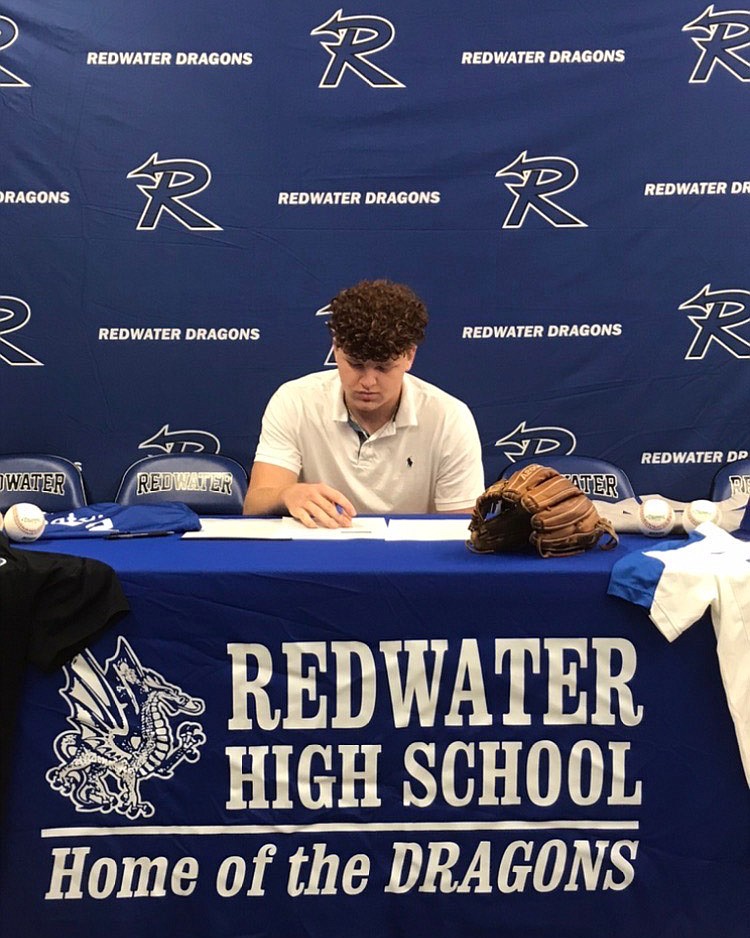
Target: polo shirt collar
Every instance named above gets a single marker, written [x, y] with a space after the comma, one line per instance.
[339, 413]
[406, 415]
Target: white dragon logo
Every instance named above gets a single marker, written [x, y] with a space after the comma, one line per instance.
[121, 733]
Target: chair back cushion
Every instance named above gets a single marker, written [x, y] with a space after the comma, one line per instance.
[207, 483]
[52, 483]
[600, 480]
[732, 479]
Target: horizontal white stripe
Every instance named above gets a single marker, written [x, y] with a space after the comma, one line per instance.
[352, 827]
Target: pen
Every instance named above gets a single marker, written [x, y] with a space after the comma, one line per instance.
[117, 535]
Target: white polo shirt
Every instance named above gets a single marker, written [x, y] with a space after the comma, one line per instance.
[427, 459]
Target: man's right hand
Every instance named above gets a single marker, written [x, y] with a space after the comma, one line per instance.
[274, 490]
[315, 504]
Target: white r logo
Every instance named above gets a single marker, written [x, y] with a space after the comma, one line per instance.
[8, 35]
[14, 314]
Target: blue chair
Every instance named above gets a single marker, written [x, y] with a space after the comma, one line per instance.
[732, 479]
[52, 483]
[207, 483]
[597, 478]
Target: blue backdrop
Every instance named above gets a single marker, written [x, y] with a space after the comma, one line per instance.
[185, 185]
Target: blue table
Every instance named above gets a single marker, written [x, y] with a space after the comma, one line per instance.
[392, 739]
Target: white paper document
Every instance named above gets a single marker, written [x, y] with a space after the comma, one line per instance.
[373, 528]
[259, 529]
[289, 529]
[428, 529]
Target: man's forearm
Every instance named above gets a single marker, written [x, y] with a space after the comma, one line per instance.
[265, 500]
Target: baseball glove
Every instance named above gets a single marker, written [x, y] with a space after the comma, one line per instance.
[539, 506]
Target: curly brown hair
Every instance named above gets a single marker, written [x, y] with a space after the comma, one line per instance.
[377, 320]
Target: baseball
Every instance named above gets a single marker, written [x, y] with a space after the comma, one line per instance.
[699, 511]
[24, 522]
[655, 517]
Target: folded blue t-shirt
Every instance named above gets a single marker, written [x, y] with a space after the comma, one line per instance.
[104, 519]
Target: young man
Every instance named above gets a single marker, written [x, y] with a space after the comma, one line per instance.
[367, 438]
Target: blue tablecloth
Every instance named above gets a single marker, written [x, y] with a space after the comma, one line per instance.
[392, 739]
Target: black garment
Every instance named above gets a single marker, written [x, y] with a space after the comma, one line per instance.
[51, 607]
